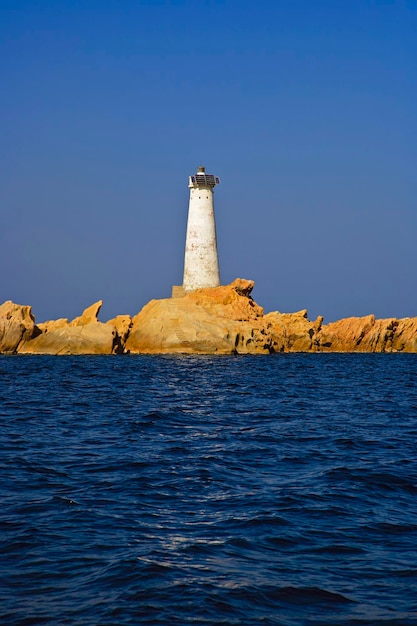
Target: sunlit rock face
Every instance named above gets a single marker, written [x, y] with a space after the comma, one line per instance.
[17, 325]
[293, 332]
[83, 335]
[404, 338]
[367, 334]
[226, 320]
[122, 324]
[216, 320]
[346, 335]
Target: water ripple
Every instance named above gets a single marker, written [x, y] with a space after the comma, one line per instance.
[200, 490]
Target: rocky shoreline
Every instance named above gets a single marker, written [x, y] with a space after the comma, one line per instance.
[220, 320]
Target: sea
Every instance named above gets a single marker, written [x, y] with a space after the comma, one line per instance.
[233, 490]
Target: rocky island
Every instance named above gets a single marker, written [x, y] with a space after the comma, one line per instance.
[214, 320]
[202, 316]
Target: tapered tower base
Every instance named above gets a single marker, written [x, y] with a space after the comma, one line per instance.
[201, 265]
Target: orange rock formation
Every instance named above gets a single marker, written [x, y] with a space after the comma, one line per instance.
[84, 335]
[17, 325]
[221, 320]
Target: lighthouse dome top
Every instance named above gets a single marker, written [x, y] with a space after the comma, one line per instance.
[201, 179]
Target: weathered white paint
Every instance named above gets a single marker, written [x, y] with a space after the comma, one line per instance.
[201, 265]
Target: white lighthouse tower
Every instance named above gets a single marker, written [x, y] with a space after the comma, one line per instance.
[201, 265]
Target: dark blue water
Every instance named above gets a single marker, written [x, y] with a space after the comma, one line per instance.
[198, 490]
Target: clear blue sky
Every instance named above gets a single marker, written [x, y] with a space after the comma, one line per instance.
[305, 109]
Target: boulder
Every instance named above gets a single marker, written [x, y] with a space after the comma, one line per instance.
[17, 325]
[122, 324]
[356, 334]
[346, 335]
[88, 339]
[367, 334]
[219, 320]
[379, 337]
[293, 332]
[404, 338]
[84, 335]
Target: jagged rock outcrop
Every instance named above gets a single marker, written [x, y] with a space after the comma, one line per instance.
[367, 334]
[83, 335]
[17, 325]
[404, 338]
[293, 332]
[226, 320]
[220, 320]
[346, 335]
[122, 324]
[88, 316]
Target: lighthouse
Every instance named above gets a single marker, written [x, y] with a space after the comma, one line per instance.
[201, 264]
